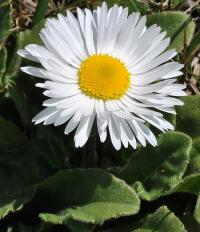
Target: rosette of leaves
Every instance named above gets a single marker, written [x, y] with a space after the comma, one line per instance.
[45, 184]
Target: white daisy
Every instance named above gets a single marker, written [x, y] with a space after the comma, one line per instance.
[105, 66]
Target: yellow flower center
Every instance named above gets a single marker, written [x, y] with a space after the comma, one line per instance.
[104, 77]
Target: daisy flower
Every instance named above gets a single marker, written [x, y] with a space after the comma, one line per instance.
[105, 67]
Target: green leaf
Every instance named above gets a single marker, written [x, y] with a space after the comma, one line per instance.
[3, 58]
[72, 226]
[188, 119]
[197, 210]
[30, 36]
[5, 19]
[10, 135]
[20, 85]
[21, 168]
[153, 172]
[12, 199]
[190, 184]
[76, 226]
[9, 229]
[189, 222]
[193, 47]
[176, 2]
[23, 38]
[90, 196]
[194, 165]
[174, 23]
[161, 221]
[40, 12]
[33, 228]
[21, 101]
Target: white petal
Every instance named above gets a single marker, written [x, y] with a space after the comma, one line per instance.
[146, 132]
[154, 52]
[120, 131]
[137, 133]
[101, 110]
[72, 124]
[53, 101]
[169, 110]
[62, 119]
[51, 119]
[165, 101]
[150, 88]
[126, 33]
[44, 114]
[69, 101]
[62, 48]
[114, 135]
[27, 55]
[61, 93]
[131, 106]
[101, 22]
[129, 134]
[101, 126]
[148, 64]
[138, 51]
[178, 93]
[89, 40]
[158, 122]
[155, 74]
[38, 72]
[81, 19]
[83, 130]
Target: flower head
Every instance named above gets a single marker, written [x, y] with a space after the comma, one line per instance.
[105, 66]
